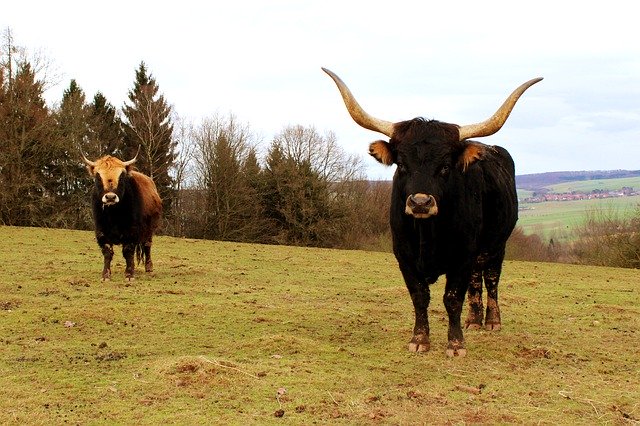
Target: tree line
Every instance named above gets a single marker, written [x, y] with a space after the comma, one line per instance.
[217, 180]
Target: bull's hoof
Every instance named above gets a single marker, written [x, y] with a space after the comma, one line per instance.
[105, 279]
[148, 267]
[472, 325]
[461, 353]
[420, 343]
[493, 327]
[129, 279]
[456, 348]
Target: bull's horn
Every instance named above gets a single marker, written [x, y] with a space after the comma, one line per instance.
[86, 160]
[357, 113]
[133, 160]
[497, 120]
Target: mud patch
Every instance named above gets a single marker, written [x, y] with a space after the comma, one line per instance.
[9, 305]
[534, 353]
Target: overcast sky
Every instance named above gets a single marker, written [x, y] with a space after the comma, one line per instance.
[454, 61]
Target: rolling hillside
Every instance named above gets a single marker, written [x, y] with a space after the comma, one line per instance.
[231, 333]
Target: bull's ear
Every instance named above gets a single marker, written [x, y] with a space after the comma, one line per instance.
[91, 169]
[472, 152]
[381, 151]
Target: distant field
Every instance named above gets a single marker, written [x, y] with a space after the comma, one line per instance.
[229, 333]
[560, 218]
[590, 185]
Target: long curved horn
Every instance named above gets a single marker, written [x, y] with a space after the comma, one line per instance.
[497, 120]
[359, 115]
[133, 160]
[87, 161]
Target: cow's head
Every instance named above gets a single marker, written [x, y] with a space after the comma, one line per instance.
[428, 154]
[110, 174]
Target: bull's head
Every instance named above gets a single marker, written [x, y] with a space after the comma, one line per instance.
[427, 153]
[109, 173]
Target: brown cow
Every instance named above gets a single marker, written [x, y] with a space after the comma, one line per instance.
[126, 210]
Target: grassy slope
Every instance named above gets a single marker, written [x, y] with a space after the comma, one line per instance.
[219, 328]
[556, 218]
[590, 185]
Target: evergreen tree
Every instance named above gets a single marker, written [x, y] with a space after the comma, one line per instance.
[67, 175]
[106, 134]
[26, 132]
[148, 126]
[298, 202]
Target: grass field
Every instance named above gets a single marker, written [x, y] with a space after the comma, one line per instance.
[559, 219]
[228, 333]
[601, 184]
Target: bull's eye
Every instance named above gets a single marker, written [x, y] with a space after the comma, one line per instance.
[401, 167]
[444, 171]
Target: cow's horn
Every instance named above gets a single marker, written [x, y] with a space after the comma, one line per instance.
[133, 160]
[497, 120]
[359, 115]
[86, 160]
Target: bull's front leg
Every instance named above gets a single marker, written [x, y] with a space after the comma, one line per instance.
[420, 296]
[128, 252]
[454, 294]
[107, 253]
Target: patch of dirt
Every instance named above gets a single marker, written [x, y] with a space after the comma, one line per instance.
[534, 353]
[9, 305]
[110, 356]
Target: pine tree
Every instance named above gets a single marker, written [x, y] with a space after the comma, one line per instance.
[106, 133]
[148, 126]
[68, 178]
[25, 146]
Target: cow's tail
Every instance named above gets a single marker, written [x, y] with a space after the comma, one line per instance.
[140, 252]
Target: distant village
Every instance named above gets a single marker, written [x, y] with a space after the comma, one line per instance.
[541, 197]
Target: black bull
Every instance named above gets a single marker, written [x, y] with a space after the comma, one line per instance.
[453, 207]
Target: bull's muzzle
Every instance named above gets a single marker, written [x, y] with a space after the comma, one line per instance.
[421, 206]
[110, 198]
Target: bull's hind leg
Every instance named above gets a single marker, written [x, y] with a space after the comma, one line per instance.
[491, 279]
[107, 253]
[148, 264]
[128, 252]
[474, 297]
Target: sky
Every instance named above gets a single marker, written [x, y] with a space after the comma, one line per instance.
[454, 61]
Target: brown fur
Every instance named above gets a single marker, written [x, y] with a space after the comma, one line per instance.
[381, 152]
[472, 153]
[151, 200]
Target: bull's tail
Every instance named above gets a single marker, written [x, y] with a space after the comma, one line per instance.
[140, 252]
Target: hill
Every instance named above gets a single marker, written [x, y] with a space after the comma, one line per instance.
[243, 334]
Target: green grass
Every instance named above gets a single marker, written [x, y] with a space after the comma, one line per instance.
[230, 333]
[559, 219]
[590, 185]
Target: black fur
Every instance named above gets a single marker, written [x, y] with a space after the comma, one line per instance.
[477, 210]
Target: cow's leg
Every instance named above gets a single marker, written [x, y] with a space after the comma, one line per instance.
[474, 298]
[148, 264]
[491, 279]
[453, 298]
[128, 252]
[420, 296]
[107, 253]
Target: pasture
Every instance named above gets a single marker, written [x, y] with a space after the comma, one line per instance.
[233, 333]
[560, 219]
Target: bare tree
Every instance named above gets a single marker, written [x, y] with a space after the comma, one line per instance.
[222, 146]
